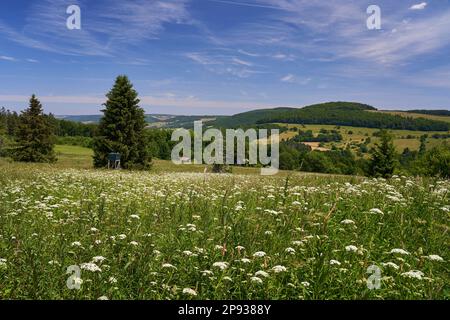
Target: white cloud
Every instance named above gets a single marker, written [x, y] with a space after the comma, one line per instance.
[242, 62]
[105, 31]
[419, 6]
[290, 78]
[6, 58]
[189, 102]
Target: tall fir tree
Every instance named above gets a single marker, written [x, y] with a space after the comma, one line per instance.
[384, 157]
[34, 137]
[121, 129]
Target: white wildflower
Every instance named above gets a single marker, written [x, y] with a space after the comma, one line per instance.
[220, 265]
[376, 211]
[290, 250]
[414, 274]
[435, 257]
[189, 291]
[351, 248]
[92, 267]
[334, 262]
[259, 254]
[390, 265]
[256, 279]
[98, 259]
[278, 269]
[262, 273]
[399, 251]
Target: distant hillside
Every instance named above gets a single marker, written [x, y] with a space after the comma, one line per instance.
[352, 114]
[248, 118]
[331, 113]
[431, 112]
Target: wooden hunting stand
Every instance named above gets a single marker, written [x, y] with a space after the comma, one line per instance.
[114, 161]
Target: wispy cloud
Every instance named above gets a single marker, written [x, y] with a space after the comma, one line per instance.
[7, 58]
[163, 101]
[106, 28]
[419, 6]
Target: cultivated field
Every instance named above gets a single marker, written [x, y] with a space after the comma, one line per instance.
[357, 135]
[166, 235]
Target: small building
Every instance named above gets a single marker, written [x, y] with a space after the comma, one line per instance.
[114, 160]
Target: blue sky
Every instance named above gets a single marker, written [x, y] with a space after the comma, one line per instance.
[224, 57]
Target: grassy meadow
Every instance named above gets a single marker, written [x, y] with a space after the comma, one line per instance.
[168, 234]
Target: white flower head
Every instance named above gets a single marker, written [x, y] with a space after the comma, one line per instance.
[92, 267]
[259, 254]
[334, 262]
[98, 259]
[376, 211]
[261, 273]
[413, 274]
[390, 265]
[435, 257]
[256, 280]
[189, 291]
[399, 251]
[278, 269]
[290, 250]
[351, 248]
[220, 265]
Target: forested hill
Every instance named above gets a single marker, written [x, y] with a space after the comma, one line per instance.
[335, 113]
[249, 118]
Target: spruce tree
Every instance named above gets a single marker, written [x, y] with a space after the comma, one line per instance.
[34, 136]
[121, 128]
[383, 161]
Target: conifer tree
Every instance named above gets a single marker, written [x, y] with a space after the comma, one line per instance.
[383, 161]
[121, 128]
[34, 136]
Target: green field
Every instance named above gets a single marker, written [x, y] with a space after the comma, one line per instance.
[167, 234]
[360, 134]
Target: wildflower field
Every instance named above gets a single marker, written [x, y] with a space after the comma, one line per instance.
[204, 236]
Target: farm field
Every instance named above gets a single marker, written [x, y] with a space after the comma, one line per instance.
[174, 235]
[358, 135]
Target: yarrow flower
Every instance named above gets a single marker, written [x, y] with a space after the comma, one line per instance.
[413, 274]
[134, 243]
[76, 244]
[112, 280]
[135, 216]
[376, 211]
[259, 254]
[3, 263]
[290, 250]
[98, 259]
[189, 291]
[306, 284]
[335, 262]
[103, 298]
[278, 269]
[435, 257]
[262, 274]
[347, 221]
[256, 279]
[399, 251]
[220, 265]
[92, 267]
[391, 265]
[246, 260]
[351, 248]
[168, 266]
